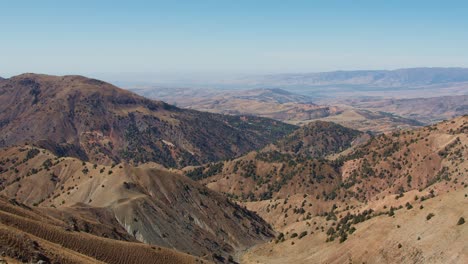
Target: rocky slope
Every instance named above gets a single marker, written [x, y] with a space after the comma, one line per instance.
[93, 120]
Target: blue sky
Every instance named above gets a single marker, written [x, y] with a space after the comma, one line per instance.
[229, 37]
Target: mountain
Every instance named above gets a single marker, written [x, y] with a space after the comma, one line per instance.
[316, 139]
[85, 178]
[391, 197]
[374, 78]
[294, 164]
[95, 121]
[307, 160]
[146, 203]
[401, 83]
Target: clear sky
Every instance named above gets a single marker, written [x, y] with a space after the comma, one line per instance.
[222, 37]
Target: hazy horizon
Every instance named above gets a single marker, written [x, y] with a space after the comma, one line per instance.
[217, 38]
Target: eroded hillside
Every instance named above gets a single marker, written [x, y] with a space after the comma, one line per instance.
[150, 205]
[30, 235]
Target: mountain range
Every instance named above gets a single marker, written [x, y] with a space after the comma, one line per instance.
[91, 173]
[373, 78]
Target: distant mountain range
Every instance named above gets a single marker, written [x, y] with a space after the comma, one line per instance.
[371, 78]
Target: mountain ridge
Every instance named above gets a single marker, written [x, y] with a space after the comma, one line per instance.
[94, 120]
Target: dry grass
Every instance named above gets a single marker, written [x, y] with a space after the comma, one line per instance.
[439, 240]
[27, 239]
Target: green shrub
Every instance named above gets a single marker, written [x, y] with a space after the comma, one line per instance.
[303, 234]
[429, 216]
[461, 221]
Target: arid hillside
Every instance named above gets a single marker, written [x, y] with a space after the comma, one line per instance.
[392, 198]
[146, 203]
[400, 197]
[30, 235]
[392, 163]
[415, 231]
[294, 164]
[95, 121]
